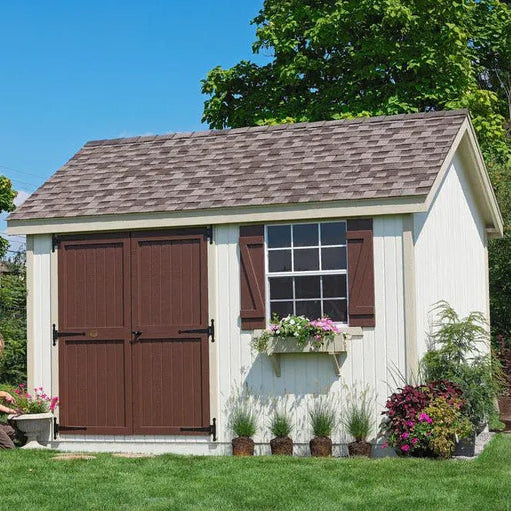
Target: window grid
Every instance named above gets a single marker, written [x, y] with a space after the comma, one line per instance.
[303, 273]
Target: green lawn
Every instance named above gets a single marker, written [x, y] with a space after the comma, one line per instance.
[32, 480]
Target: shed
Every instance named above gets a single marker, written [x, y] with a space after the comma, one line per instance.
[153, 261]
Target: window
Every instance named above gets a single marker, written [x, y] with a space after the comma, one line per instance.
[306, 270]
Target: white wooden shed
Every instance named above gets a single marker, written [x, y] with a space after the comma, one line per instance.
[137, 247]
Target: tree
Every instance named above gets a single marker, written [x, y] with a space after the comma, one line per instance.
[7, 196]
[13, 318]
[331, 59]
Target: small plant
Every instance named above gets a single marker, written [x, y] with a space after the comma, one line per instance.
[243, 421]
[358, 419]
[39, 402]
[280, 424]
[300, 328]
[323, 418]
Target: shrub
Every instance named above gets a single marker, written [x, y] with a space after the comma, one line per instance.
[242, 419]
[358, 419]
[280, 424]
[323, 418]
[411, 429]
[455, 356]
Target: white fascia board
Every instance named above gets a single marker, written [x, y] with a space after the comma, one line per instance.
[274, 213]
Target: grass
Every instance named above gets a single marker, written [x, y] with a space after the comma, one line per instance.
[32, 480]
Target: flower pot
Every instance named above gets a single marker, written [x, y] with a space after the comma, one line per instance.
[282, 445]
[321, 447]
[32, 425]
[242, 446]
[360, 448]
[466, 446]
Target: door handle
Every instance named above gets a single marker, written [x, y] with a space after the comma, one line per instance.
[136, 334]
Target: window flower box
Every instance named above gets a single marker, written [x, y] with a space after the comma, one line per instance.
[278, 346]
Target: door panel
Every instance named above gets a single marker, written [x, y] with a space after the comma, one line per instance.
[94, 300]
[170, 369]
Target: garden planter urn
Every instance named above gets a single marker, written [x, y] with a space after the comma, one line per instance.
[281, 445]
[321, 447]
[360, 448]
[242, 446]
[32, 425]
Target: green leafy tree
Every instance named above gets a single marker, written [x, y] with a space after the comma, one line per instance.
[13, 318]
[7, 196]
[332, 59]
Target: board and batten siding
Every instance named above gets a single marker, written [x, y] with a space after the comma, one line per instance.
[450, 252]
[371, 358]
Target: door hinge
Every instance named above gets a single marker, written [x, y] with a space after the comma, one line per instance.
[210, 330]
[209, 234]
[210, 430]
[56, 334]
[58, 427]
[55, 240]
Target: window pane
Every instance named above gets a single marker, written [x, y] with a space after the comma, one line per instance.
[307, 287]
[279, 260]
[282, 309]
[281, 287]
[333, 233]
[305, 235]
[306, 259]
[279, 236]
[333, 258]
[334, 286]
[335, 310]
[310, 309]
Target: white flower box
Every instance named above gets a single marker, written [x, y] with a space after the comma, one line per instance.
[278, 346]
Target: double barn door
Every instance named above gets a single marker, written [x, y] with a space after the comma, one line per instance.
[125, 366]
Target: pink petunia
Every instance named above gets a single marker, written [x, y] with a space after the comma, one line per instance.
[405, 435]
[405, 448]
[410, 424]
[414, 440]
[384, 445]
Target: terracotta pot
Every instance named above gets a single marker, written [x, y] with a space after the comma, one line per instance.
[242, 446]
[321, 447]
[360, 448]
[282, 445]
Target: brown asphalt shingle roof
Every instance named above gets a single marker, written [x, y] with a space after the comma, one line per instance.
[379, 157]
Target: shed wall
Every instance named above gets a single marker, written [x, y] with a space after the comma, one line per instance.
[450, 252]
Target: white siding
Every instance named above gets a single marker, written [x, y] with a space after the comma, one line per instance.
[370, 360]
[450, 252]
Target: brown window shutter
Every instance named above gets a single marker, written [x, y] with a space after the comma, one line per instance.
[252, 277]
[359, 237]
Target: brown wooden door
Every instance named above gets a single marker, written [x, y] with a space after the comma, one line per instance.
[95, 368]
[169, 294]
[115, 382]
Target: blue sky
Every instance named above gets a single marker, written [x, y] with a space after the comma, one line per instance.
[76, 71]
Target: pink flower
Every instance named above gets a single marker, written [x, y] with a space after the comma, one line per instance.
[424, 417]
[410, 424]
[384, 445]
[405, 448]
[414, 440]
[405, 435]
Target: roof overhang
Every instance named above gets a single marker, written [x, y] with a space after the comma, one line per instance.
[465, 143]
[215, 216]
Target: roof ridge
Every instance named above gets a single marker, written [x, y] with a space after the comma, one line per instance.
[278, 127]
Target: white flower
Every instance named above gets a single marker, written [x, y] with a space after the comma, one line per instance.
[296, 334]
[277, 332]
[292, 322]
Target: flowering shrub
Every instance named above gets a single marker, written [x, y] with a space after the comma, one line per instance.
[39, 402]
[300, 328]
[426, 419]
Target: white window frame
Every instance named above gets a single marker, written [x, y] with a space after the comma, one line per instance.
[292, 273]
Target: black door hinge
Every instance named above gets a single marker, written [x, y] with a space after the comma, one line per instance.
[57, 428]
[210, 430]
[209, 234]
[55, 240]
[56, 334]
[210, 330]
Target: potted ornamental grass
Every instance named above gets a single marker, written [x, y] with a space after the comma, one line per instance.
[323, 421]
[281, 427]
[243, 424]
[358, 422]
[35, 413]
